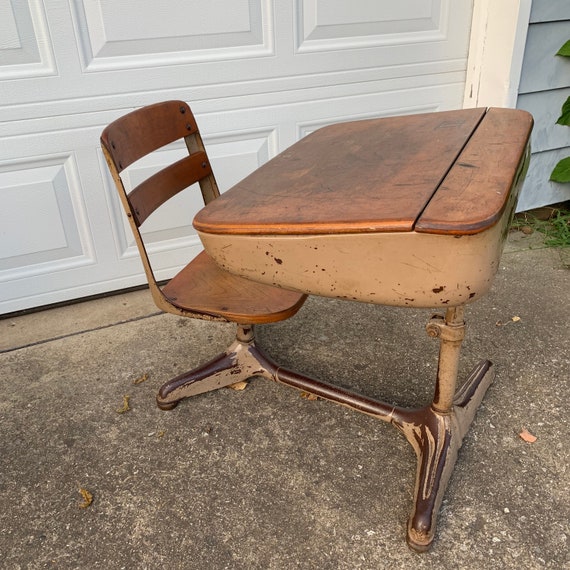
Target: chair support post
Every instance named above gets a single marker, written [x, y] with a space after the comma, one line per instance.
[451, 332]
[238, 363]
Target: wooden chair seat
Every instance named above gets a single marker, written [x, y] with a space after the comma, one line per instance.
[202, 287]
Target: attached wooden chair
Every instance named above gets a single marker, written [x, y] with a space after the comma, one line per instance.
[201, 290]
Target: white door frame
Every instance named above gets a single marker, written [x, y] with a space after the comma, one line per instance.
[496, 51]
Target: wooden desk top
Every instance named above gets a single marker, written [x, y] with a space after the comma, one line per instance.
[444, 173]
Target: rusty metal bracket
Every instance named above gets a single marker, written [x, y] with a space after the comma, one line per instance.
[439, 327]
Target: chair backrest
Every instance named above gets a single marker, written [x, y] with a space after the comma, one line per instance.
[140, 133]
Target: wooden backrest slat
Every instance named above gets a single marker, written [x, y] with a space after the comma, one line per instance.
[166, 183]
[163, 124]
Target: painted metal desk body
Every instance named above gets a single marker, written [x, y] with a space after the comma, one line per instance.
[405, 211]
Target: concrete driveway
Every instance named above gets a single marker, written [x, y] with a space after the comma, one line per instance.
[265, 479]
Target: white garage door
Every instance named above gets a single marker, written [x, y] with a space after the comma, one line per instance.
[259, 75]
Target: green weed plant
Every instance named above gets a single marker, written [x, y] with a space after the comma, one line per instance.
[556, 229]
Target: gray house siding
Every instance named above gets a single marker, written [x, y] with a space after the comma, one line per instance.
[544, 86]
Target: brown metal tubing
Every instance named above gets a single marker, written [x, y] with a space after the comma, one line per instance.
[348, 398]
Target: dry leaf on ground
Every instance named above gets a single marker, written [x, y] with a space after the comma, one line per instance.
[141, 379]
[125, 407]
[525, 435]
[238, 386]
[309, 396]
[87, 498]
[514, 319]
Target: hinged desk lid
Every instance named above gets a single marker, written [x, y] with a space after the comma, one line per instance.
[447, 172]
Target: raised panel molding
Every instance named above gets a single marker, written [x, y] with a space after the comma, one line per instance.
[43, 223]
[144, 33]
[25, 46]
[259, 75]
[307, 127]
[337, 24]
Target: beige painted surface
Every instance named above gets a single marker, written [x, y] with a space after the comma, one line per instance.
[393, 268]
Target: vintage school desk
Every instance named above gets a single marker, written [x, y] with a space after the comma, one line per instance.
[409, 211]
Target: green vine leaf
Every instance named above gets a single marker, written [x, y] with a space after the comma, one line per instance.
[561, 172]
[564, 118]
[564, 50]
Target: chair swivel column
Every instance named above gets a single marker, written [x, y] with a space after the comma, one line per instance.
[451, 331]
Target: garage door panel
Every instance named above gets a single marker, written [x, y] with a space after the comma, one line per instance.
[143, 33]
[84, 76]
[25, 47]
[259, 75]
[41, 221]
[334, 24]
